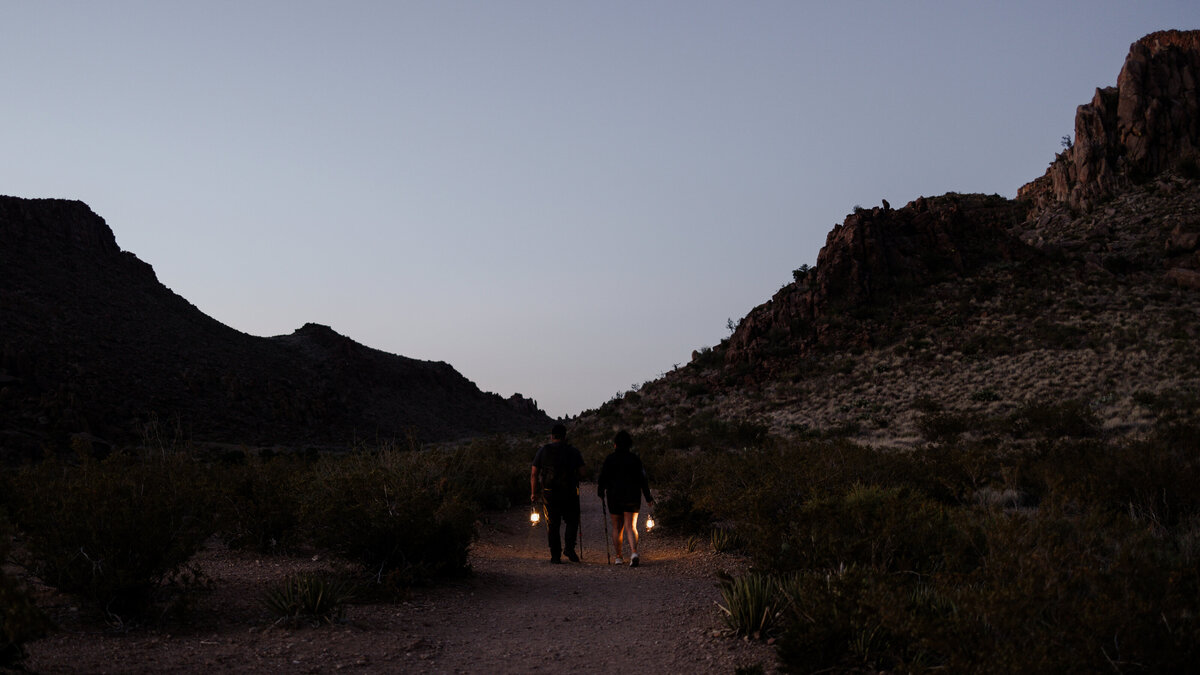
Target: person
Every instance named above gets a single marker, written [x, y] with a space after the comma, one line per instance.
[557, 468]
[623, 480]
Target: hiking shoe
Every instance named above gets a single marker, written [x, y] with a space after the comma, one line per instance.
[571, 556]
[556, 560]
[618, 561]
[633, 560]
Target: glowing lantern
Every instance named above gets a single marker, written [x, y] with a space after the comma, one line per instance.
[534, 517]
[649, 523]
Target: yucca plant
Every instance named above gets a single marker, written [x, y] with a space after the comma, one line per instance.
[316, 597]
[753, 603]
[724, 540]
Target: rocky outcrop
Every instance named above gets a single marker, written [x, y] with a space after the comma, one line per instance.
[1147, 124]
[94, 346]
[873, 253]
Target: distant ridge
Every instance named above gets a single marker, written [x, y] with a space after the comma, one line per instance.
[93, 346]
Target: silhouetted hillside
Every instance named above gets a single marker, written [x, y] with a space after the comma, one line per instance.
[962, 315]
[93, 344]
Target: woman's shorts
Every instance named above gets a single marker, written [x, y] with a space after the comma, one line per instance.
[617, 505]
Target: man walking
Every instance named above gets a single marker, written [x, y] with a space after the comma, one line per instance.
[557, 468]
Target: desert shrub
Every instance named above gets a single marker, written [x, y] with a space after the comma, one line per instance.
[1055, 420]
[111, 531]
[393, 512]
[1153, 479]
[20, 619]
[851, 619]
[312, 597]
[987, 344]
[946, 427]
[1063, 592]
[260, 503]
[492, 472]
[891, 529]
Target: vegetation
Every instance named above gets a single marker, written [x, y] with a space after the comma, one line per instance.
[113, 530]
[1060, 550]
[20, 619]
[120, 531]
[309, 597]
[1075, 553]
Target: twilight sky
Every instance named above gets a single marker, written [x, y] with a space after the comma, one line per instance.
[561, 199]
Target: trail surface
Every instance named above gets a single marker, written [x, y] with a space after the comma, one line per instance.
[516, 614]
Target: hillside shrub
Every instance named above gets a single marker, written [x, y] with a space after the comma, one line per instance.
[111, 531]
[1052, 420]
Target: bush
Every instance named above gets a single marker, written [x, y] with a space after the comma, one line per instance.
[392, 512]
[886, 529]
[260, 502]
[111, 531]
[20, 619]
[1051, 420]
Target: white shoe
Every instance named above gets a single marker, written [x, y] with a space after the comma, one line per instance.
[633, 560]
[618, 561]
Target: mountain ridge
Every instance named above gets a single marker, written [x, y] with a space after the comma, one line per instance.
[95, 346]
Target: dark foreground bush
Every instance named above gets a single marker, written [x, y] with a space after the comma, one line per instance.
[260, 502]
[1103, 574]
[20, 620]
[111, 531]
[393, 512]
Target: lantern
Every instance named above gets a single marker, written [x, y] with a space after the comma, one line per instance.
[649, 522]
[534, 517]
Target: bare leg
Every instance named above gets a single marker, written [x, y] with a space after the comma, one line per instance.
[630, 524]
[617, 534]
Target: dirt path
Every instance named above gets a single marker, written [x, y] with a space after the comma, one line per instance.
[516, 614]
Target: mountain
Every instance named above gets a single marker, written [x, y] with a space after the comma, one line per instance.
[94, 347]
[966, 315]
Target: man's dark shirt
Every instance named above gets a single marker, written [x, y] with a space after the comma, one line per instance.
[558, 467]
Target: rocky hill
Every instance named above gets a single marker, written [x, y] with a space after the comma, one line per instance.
[93, 347]
[964, 315]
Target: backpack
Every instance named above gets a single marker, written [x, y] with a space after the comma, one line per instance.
[556, 474]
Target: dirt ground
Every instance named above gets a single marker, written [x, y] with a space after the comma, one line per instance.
[516, 613]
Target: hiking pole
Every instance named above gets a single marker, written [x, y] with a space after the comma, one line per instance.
[604, 518]
[580, 526]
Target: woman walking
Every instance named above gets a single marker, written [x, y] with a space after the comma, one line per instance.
[623, 482]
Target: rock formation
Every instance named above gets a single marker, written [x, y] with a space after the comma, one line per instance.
[1148, 123]
[873, 253]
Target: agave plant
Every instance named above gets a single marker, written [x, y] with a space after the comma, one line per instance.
[753, 603]
[317, 597]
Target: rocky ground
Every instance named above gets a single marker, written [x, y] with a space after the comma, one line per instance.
[516, 613]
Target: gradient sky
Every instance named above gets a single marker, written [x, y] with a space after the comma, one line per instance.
[561, 199]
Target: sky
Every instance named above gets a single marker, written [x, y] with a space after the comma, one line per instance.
[558, 198]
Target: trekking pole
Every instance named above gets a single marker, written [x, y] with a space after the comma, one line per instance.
[580, 533]
[604, 519]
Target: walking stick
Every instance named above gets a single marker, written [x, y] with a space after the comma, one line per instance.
[580, 532]
[604, 517]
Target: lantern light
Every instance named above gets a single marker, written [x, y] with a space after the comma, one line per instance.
[534, 517]
[649, 523]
